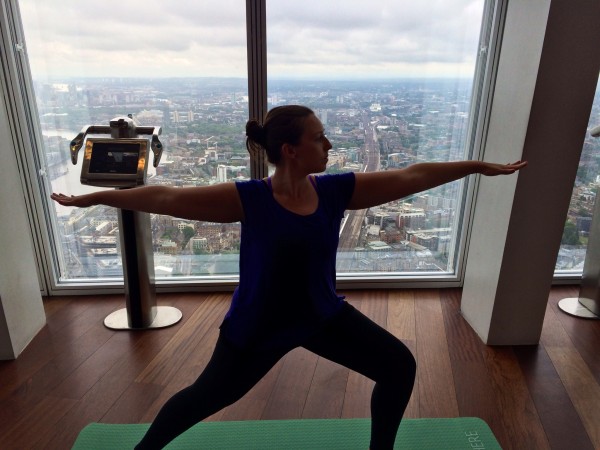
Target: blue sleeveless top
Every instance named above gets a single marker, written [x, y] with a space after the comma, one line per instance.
[287, 265]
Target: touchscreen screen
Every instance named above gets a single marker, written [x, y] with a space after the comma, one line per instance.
[117, 158]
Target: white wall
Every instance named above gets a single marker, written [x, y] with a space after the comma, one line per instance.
[21, 308]
[548, 70]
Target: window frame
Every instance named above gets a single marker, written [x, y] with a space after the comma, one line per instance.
[18, 90]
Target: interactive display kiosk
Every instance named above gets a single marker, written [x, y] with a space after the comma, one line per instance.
[121, 161]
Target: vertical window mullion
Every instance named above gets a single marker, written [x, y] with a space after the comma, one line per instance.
[257, 72]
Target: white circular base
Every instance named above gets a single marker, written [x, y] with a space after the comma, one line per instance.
[573, 307]
[165, 317]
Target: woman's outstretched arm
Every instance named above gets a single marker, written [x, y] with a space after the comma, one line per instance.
[376, 188]
[217, 203]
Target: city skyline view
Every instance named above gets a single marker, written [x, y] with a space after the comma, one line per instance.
[373, 125]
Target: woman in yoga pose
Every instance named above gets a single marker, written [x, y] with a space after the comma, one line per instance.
[286, 296]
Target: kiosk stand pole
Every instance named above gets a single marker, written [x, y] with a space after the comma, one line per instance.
[141, 311]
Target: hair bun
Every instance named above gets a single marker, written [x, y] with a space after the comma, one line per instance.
[256, 132]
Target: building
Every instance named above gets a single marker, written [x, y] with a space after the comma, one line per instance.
[221, 173]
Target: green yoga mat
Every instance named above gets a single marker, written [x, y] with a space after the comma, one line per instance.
[466, 433]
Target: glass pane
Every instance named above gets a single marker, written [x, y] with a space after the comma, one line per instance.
[181, 66]
[392, 84]
[571, 256]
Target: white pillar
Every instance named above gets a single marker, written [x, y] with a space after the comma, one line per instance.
[21, 308]
[548, 71]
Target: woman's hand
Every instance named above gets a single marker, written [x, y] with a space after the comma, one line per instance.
[81, 201]
[491, 169]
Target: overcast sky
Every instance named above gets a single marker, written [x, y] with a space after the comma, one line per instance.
[305, 38]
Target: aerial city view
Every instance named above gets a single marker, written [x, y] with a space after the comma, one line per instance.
[372, 125]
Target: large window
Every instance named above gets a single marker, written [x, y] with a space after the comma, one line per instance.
[178, 66]
[571, 256]
[394, 82]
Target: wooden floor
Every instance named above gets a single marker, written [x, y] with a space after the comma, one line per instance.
[76, 372]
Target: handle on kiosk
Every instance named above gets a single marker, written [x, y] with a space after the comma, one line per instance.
[155, 144]
[77, 143]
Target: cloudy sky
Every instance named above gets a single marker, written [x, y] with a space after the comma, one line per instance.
[305, 38]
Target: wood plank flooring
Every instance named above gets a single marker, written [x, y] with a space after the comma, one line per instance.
[76, 371]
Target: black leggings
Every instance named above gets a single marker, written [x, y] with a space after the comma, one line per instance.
[351, 339]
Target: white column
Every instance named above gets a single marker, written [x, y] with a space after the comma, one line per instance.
[21, 308]
[548, 70]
